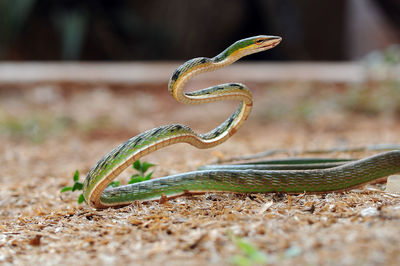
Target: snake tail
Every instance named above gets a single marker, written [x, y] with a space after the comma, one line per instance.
[346, 176]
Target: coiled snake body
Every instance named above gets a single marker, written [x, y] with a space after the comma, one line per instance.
[338, 175]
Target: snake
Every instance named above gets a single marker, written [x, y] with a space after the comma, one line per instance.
[289, 176]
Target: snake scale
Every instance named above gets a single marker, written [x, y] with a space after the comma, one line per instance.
[278, 176]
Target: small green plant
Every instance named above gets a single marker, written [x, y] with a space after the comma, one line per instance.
[251, 255]
[142, 168]
[114, 184]
[77, 186]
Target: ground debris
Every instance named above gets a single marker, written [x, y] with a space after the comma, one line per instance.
[37, 224]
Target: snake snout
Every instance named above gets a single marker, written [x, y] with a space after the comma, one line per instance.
[272, 41]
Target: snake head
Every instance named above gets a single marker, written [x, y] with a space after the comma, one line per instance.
[257, 44]
[265, 42]
[249, 46]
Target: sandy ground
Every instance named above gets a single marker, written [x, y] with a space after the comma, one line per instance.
[47, 133]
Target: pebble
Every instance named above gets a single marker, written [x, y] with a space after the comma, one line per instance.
[393, 184]
[370, 211]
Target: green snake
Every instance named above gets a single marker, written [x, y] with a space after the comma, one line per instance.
[293, 176]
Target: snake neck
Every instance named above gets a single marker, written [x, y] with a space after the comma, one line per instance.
[197, 66]
[229, 91]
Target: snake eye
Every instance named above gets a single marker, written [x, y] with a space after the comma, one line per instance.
[259, 41]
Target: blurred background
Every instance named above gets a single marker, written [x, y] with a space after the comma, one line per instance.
[180, 29]
[100, 68]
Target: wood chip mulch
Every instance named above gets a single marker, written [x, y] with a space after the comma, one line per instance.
[40, 226]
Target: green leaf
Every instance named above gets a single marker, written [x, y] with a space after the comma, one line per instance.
[136, 165]
[81, 198]
[146, 166]
[114, 184]
[77, 186]
[64, 189]
[136, 179]
[251, 254]
[246, 247]
[147, 177]
[76, 176]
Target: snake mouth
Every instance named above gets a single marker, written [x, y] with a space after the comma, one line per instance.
[274, 43]
[269, 46]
